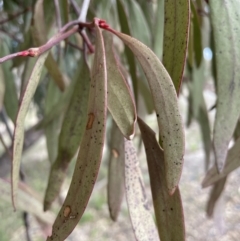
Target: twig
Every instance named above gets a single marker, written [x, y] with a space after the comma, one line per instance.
[87, 41]
[15, 15]
[75, 46]
[84, 10]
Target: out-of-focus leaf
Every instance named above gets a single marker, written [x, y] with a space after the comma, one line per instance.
[64, 9]
[115, 188]
[226, 39]
[158, 29]
[19, 129]
[120, 101]
[10, 99]
[2, 88]
[90, 154]
[73, 127]
[26, 201]
[123, 20]
[166, 106]
[142, 221]
[197, 36]
[39, 35]
[138, 22]
[52, 130]
[168, 208]
[237, 131]
[232, 163]
[214, 195]
[175, 41]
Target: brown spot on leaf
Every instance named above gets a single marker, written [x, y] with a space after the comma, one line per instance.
[66, 211]
[90, 121]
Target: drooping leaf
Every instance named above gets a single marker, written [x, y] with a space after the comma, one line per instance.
[19, 129]
[197, 36]
[142, 221]
[232, 163]
[26, 201]
[168, 208]
[39, 34]
[90, 154]
[227, 49]
[120, 101]
[175, 40]
[115, 188]
[73, 127]
[10, 99]
[52, 130]
[166, 106]
[123, 20]
[214, 195]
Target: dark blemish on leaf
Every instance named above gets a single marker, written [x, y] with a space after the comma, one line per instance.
[90, 121]
[171, 209]
[157, 115]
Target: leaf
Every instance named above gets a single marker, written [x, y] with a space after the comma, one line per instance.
[142, 221]
[168, 208]
[39, 34]
[10, 99]
[175, 40]
[166, 106]
[90, 154]
[120, 100]
[232, 163]
[123, 20]
[52, 130]
[26, 201]
[2, 88]
[19, 129]
[225, 22]
[197, 36]
[214, 195]
[115, 188]
[73, 127]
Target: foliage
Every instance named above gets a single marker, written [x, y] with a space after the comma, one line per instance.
[81, 69]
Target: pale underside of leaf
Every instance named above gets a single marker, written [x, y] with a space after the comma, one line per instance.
[73, 127]
[232, 163]
[225, 21]
[142, 221]
[175, 40]
[166, 106]
[168, 208]
[19, 126]
[90, 154]
[115, 187]
[120, 100]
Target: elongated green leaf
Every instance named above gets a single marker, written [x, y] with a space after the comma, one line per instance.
[10, 99]
[2, 88]
[197, 36]
[90, 154]
[168, 208]
[142, 221]
[19, 129]
[214, 195]
[123, 19]
[39, 34]
[73, 127]
[26, 201]
[115, 187]
[166, 106]
[227, 47]
[175, 40]
[232, 163]
[120, 101]
[138, 22]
